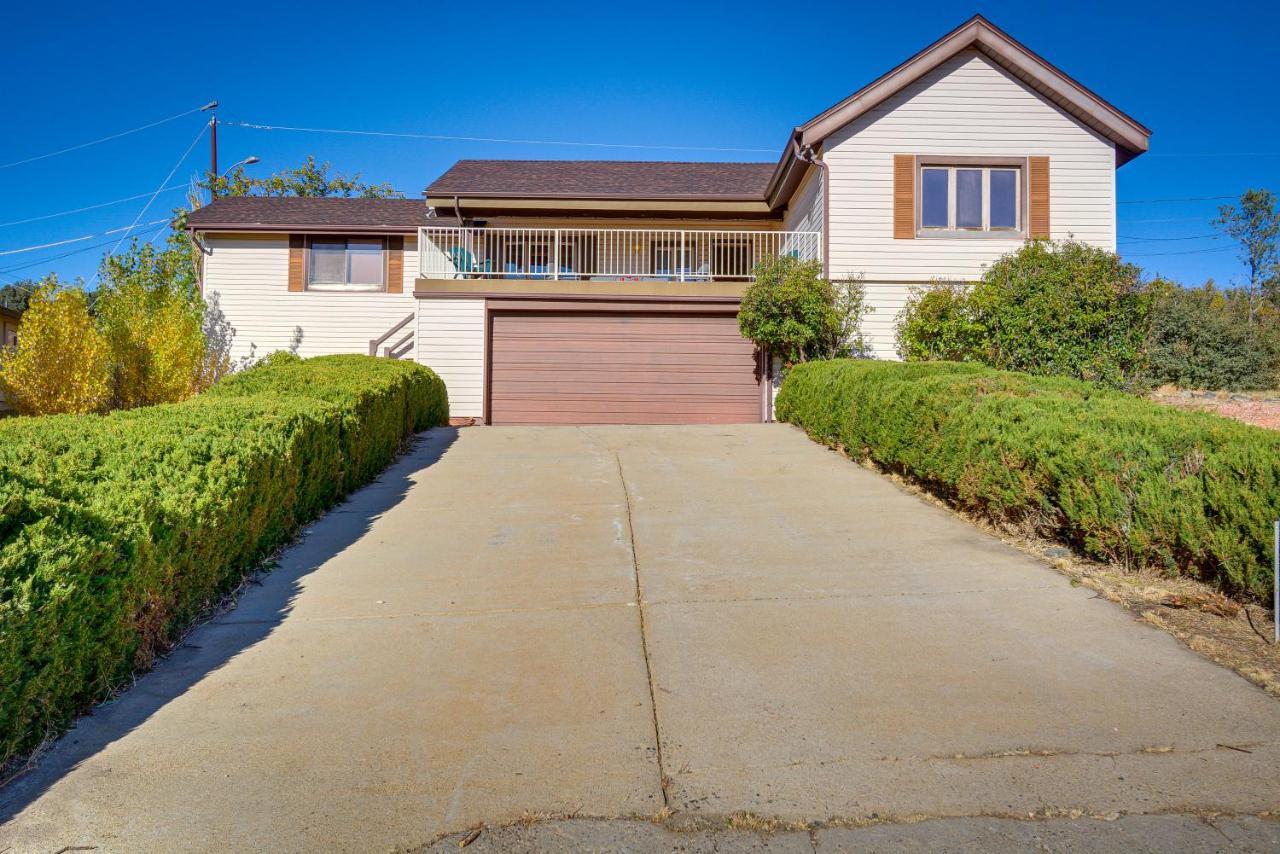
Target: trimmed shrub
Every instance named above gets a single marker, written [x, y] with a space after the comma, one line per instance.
[937, 323]
[1052, 309]
[1117, 477]
[117, 530]
[792, 312]
[1204, 338]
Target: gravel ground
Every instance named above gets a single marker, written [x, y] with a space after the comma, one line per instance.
[1261, 409]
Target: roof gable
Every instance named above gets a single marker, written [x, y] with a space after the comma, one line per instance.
[1130, 137]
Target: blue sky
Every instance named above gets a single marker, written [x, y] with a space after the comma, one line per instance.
[732, 75]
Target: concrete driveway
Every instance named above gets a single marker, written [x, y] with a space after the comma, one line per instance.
[613, 621]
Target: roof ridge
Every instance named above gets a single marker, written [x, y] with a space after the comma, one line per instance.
[628, 162]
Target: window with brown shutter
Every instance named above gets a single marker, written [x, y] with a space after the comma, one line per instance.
[297, 263]
[395, 265]
[1038, 197]
[904, 196]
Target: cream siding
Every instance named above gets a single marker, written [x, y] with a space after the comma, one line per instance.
[451, 343]
[967, 106]
[804, 211]
[248, 277]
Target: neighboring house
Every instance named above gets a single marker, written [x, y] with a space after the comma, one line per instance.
[10, 320]
[606, 292]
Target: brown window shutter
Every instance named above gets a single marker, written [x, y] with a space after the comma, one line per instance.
[395, 265]
[297, 262]
[904, 196]
[1038, 197]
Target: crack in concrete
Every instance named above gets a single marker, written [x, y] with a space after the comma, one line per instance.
[1014, 753]
[825, 597]
[586, 606]
[664, 781]
[691, 823]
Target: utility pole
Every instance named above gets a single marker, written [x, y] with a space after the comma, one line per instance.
[212, 106]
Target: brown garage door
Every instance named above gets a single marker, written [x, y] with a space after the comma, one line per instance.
[582, 368]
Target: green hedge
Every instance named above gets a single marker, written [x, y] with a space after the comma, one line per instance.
[116, 530]
[1117, 477]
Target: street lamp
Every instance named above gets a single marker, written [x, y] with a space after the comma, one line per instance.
[213, 182]
[248, 161]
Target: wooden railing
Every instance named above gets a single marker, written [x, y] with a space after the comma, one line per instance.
[399, 348]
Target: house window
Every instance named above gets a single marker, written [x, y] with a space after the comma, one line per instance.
[347, 264]
[970, 199]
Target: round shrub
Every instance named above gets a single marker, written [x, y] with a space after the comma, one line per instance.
[1202, 338]
[1050, 308]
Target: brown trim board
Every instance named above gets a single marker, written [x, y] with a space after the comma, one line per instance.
[726, 292]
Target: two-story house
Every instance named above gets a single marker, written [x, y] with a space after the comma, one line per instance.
[554, 292]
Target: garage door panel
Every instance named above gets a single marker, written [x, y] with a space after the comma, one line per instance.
[522, 371]
[623, 345]
[583, 368]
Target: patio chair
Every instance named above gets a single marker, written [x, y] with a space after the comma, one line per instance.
[466, 264]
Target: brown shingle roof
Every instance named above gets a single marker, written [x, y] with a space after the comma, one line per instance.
[257, 213]
[613, 179]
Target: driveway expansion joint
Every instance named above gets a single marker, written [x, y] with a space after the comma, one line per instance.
[664, 781]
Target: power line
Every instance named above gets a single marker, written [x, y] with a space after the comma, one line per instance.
[1184, 252]
[1217, 154]
[46, 245]
[97, 141]
[77, 251]
[77, 239]
[1199, 219]
[1163, 201]
[87, 207]
[444, 138]
[163, 184]
[1190, 237]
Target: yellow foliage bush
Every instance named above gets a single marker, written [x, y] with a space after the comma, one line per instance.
[156, 344]
[61, 362]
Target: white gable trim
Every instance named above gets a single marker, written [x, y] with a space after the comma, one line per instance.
[1130, 137]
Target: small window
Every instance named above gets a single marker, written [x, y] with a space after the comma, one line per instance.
[1004, 198]
[963, 199]
[347, 264]
[935, 204]
[968, 198]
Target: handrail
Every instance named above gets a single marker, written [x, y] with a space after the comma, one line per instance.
[377, 342]
[393, 351]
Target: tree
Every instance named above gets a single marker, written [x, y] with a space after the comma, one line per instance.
[309, 179]
[61, 362]
[792, 312]
[1255, 225]
[15, 296]
[151, 315]
[1203, 338]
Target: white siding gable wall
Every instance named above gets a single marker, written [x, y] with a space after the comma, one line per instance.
[967, 106]
[248, 276]
[804, 212]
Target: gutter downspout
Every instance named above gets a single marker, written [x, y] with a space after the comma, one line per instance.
[806, 155]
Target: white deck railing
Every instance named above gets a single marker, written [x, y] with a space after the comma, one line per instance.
[605, 254]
